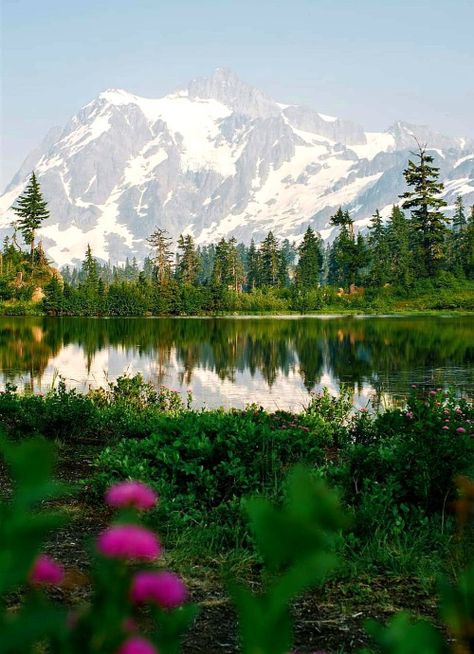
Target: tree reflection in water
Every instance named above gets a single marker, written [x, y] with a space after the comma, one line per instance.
[383, 354]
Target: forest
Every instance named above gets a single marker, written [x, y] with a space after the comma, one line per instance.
[417, 258]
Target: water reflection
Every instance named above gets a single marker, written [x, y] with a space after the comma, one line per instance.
[230, 362]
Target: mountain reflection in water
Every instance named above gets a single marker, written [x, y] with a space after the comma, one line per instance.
[274, 362]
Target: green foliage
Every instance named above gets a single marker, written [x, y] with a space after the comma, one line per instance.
[428, 222]
[40, 624]
[203, 464]
[31, 209]
[297, 543]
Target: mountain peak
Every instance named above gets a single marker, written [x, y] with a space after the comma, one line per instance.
[225, 86]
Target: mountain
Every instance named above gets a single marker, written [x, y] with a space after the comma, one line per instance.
[218, 158]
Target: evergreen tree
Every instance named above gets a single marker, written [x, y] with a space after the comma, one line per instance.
[235, 266]
[310, 262]
[400, 253]
[53, 301]
[89, 288]
[253, 267]
[346, 252]
[162, 257]
[269, 261]
[456, 244]
[187, 268]
[378, 251]
[427, 220]
[459, 217]
[468, 246]
[283, 268]
[31, 209]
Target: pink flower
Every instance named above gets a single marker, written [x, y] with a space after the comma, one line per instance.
[364, 409]
[432, 392]
[129, 542]
[137, 645]
[131, 493]
[409, 415]
[163, 588]
[445, 427]
[461, 430]
[46, 571]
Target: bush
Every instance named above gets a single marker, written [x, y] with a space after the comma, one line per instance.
[402, 465]
[203, 464]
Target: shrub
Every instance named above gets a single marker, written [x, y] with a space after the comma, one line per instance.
[203, 464]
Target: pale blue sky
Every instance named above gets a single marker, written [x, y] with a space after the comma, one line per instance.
[373, 61]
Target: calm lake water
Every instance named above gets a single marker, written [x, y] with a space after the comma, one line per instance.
[274, 362]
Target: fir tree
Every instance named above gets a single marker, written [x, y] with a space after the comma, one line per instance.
[253, 267]
[31, 209]
[269, 261]
[235, 266]
[162, 257]
[428, 222]
[345, 255]
[187, 268]
[468, 246]
[378, 249]
[53, 301]
[400, 253]
[459, 217]
[310, 262]
[456, 246]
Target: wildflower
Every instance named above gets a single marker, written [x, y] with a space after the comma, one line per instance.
[46, 571]
[461, 430]
[364, 409]
[129, 542]
[413, 385]
[131, 493]
[137, 645]
[445, 427]
[409, 415]
[432, 392]
[163, 588]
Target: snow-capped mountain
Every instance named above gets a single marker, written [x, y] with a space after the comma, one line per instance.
[218, 158]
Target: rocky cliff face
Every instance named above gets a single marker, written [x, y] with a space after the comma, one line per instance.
[218, 158]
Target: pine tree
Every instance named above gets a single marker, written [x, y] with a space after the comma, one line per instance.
[459, 217]
[89, 287]
[187, 268]
[400, 252]
[378, 251]
[457, 242]
[253, 267]
[269, 261]
[162, 257]
[468, 246]
[427, 221]
[31, 209]
[235, 266]
[310, 262]
[346, 253]
[53, 301]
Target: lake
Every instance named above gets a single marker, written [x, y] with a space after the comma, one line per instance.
[274, 362]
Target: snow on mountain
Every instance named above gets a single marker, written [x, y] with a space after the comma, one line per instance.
[218, 158]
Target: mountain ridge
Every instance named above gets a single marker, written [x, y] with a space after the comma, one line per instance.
[216, 158]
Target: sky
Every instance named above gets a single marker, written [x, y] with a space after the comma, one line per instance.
[371, 61]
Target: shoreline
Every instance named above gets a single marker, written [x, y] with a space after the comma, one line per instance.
[322, 315]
